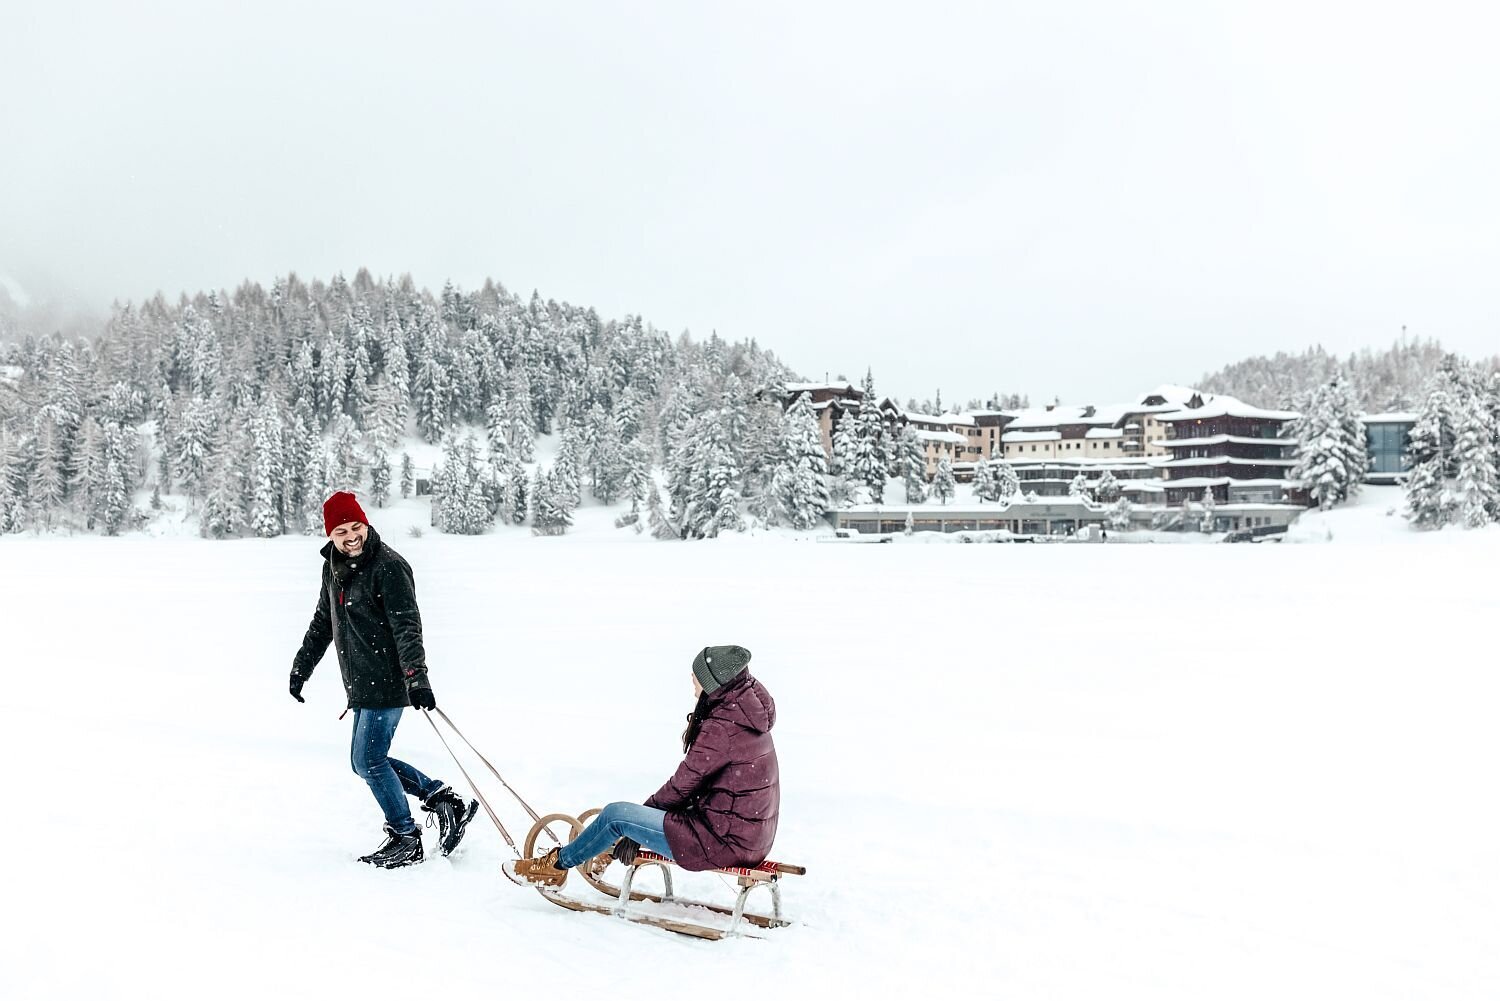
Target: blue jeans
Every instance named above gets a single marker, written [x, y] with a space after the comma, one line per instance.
[390, 780]
[641, 824]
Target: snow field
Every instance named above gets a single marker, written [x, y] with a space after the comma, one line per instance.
[1013, 771]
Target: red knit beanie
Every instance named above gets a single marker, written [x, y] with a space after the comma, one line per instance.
[341, 508]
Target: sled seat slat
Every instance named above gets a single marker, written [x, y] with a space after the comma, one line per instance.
[765, 870]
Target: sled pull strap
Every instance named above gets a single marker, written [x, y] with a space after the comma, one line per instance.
[472, 785]
[524, 805]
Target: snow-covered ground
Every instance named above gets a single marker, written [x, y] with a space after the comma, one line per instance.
[1013, 771]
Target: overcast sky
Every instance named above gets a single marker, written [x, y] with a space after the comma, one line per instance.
[1077, 199]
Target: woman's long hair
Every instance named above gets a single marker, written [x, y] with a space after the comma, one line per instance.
[695, 722]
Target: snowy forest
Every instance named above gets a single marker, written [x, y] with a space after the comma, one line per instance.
[1395, 379]
[253, 406]
[245, 410]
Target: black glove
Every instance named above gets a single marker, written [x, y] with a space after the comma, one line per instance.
[625, 850]
[296, 686]
[421, 698]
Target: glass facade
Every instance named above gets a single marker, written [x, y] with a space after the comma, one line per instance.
[1387, 443]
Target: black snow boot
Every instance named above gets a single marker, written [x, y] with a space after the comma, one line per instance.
[398, 850]
[453, 816]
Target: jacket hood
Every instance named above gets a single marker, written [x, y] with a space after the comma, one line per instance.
[745, 701]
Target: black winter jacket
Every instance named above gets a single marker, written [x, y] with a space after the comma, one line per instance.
[367, 608]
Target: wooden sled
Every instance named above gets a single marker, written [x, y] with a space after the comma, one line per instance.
[767, 874]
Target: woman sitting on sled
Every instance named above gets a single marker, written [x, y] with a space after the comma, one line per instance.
[719, 809]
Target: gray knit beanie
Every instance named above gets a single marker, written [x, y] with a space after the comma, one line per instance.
[716, 666]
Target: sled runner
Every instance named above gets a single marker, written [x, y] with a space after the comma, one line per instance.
[685, 917]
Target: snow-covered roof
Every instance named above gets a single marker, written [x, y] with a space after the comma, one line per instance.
[1196, 482]
[1222, 439]
[1015, 436]
[1232, 460]
[11, 373]
[1395, 417]
[1037, 420]
[944, 420]
[1104, 433]
[951, 437]
[1227, 406]
[808, 387]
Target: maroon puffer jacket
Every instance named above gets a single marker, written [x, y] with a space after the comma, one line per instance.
[723, 800]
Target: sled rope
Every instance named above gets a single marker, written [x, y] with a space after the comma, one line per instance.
[474, 787]
[480, 796]
[524, 805]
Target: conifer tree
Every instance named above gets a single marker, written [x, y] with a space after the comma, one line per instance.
[1007, 483]
[380, 477]
[1332, 454]
[551, 514]
[800, 479]
[46, 486]
[267, 473]
[1430, 503]
[1107, 489]
[408, 475]
[985, 487]
[192, 446]
[848, 486]
[912, 464]
[1476, 488]
[713, 499]
[944, 486]
[222, 516]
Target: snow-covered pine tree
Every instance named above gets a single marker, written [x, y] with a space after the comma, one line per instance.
[944, 485]
[713, 494]
[46, 487]
[1007, 483]
[1206, 523]
[192, 445]
[1476, 488]
[345, 466]
[984, 481]
[551, 513]
[1332, 455]
[520, 431]
[85, 485]
[637, 478]
[1118, 518]
[567, 467]
[1107, 488]
[848, 485]
[223, 514]
[408, 475]
[606, 457]
[869, 461]
[1079, 487]
[380, 477]
[800, 482]
[267, 472]
[1430, 503]
[911, 464]
[515, 497]
[459, 499]
[11, 517]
